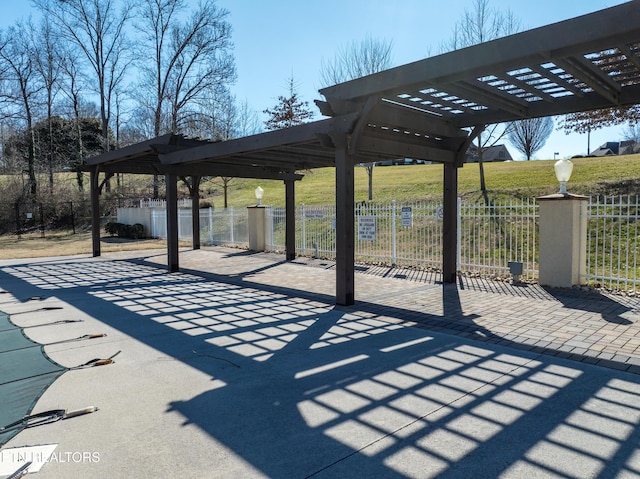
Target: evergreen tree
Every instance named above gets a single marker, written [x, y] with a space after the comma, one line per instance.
[289, 111]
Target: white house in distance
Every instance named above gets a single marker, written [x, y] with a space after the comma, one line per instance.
[627, 147]
[489, 154]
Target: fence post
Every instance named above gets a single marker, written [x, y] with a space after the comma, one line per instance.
[459, 236]
[210, 225]
[41, 221]
[271, 226]
[304, 232]
[231, 221]
[393, 232]
[73, 220]
[18, 226]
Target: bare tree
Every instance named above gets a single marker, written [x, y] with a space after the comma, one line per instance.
[222, 121]
[97, 28]
[190, 58]
[248, 120]
[48, 64]
[22, 88]
[72, 82]
[214, 116]
[355, 60]
[528, 136]
[631, 134]
[225, 181]
[482, 23]
[246, 123]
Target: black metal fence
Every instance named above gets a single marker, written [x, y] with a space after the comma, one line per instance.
[25, 216]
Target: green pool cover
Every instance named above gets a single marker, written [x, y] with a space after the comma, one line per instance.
[25, 373]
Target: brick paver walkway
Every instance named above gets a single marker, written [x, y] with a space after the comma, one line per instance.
[587, 326]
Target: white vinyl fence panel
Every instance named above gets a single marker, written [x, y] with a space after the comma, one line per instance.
[217, 227]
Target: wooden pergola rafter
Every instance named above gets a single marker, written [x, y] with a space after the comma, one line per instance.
[429, 110]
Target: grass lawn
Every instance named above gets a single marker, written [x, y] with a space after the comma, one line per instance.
[591, 176]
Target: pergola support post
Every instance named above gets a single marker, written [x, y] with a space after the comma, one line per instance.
[95, 212]
[195, 211]
[172, 223]
[450, 223]
[450, 208]
[345, 230]
[290, 220]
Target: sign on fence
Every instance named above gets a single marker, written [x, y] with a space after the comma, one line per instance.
[313, 213]
[407, 216]
[367, 228]
[440, 213]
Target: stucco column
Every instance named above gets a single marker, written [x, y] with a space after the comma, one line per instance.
[256, 226]
[563, 240]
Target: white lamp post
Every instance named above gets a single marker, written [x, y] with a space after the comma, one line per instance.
[259, 194]
[563, 169]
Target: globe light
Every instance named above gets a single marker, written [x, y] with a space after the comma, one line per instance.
[563, 169]
[259, 194]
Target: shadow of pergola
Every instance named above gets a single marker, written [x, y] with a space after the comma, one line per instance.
[300, 388]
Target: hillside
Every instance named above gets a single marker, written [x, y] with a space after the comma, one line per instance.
[591, 176]
[613, 175]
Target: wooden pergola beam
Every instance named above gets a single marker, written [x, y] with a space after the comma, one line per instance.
[299, 134]
[536, 46]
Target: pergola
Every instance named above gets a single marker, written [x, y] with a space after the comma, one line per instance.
[431, 110]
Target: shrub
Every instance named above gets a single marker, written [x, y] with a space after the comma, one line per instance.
[122, 230]
[137, 231]
[111, 228]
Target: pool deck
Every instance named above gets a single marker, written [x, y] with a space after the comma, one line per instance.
[242, 366]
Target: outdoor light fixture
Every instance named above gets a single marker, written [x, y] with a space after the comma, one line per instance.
[563, 169]
[259, 194]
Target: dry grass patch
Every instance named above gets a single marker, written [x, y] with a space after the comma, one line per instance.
[65, 243]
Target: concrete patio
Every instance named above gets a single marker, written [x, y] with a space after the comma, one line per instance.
[241, 366]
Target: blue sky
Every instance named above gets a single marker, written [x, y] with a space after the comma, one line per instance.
[280, 38]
